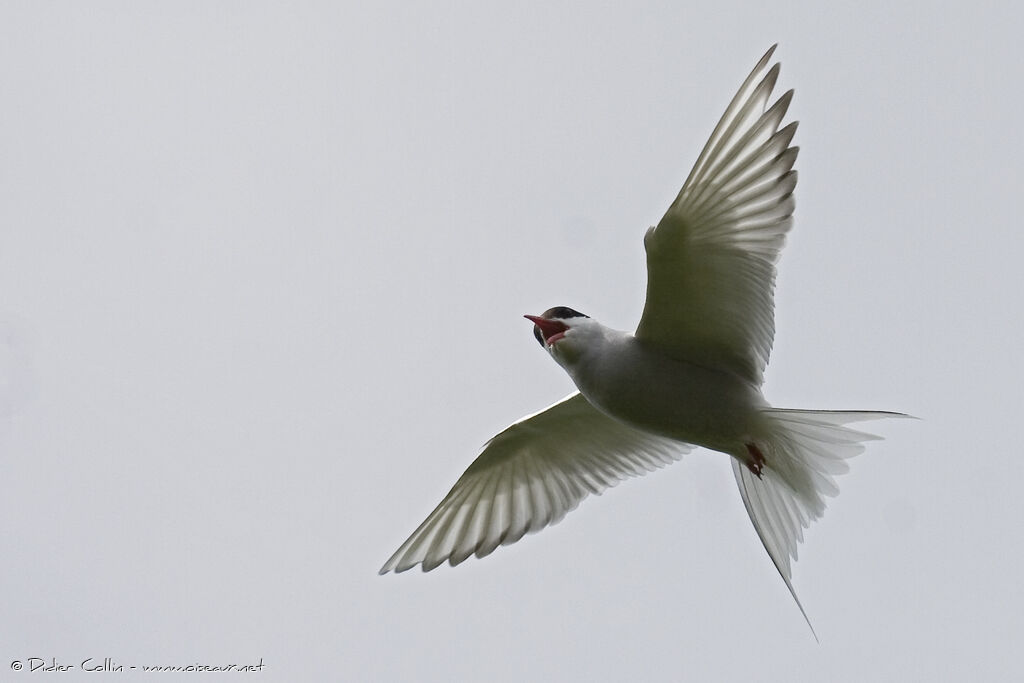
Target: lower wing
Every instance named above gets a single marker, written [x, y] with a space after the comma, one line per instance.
[530, 476]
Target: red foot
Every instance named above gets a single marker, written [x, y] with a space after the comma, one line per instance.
[757, 465]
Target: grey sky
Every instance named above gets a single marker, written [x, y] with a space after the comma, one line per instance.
[263, 269]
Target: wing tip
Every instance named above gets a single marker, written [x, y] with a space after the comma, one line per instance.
[767, 55]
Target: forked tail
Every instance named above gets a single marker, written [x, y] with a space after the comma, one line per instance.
[804, 450]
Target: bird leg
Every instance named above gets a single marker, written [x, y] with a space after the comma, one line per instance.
[756, 465]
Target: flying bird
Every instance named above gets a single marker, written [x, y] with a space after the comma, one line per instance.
[690, 375]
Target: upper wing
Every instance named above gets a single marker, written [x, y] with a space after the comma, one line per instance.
[530, 476]
[711, 259]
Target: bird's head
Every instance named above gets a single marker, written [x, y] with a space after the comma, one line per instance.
[561, 330]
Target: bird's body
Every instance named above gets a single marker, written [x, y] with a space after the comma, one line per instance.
[690, 375]
[635, 384]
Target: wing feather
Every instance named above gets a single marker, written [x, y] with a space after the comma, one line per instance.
[711, 259]
[529, 477]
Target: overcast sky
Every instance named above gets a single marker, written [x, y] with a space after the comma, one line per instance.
[263, 268]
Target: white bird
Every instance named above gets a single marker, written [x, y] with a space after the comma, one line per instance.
[691, 375]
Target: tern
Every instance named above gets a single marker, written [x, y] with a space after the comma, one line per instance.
[690, 375]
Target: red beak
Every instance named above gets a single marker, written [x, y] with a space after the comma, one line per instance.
[553, 330]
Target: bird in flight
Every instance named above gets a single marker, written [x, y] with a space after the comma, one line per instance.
[689, 376]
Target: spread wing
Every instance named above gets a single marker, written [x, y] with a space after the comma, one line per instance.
[528, 477]
[711, 259]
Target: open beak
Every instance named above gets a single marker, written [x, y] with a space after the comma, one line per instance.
[552, 330]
